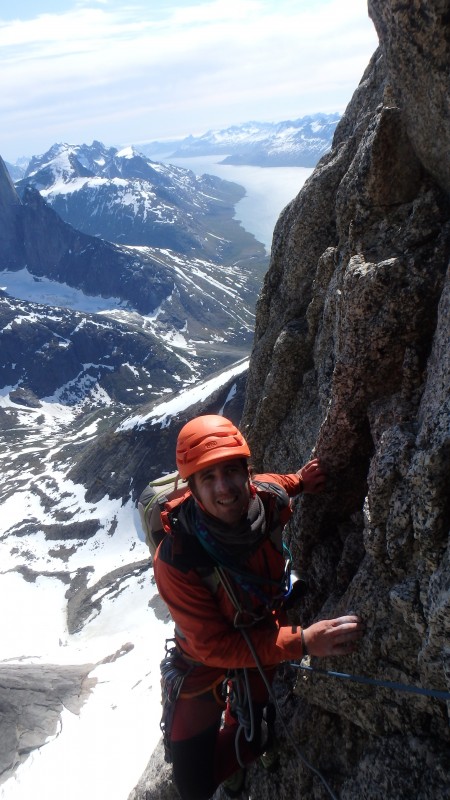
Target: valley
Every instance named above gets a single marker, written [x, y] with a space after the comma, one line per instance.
[136, 293]
[106, 346]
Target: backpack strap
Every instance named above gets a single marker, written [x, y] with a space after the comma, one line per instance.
[151, 503]
[283, 501]
[280, 502]
[168, 506]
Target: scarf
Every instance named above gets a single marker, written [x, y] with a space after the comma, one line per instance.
[230, 546]
[236, 541]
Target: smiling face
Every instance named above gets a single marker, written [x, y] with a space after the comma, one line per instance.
[223, 490]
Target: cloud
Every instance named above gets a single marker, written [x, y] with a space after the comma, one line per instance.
[149, 70]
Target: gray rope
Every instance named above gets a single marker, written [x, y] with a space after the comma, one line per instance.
[228, 589]
[280, 715]
[243, 708]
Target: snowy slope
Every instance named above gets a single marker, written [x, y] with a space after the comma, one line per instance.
[118, 726]
[56, 339]
[76, 574]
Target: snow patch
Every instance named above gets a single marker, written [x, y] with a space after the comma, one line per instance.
[162, 413]
[24, 286]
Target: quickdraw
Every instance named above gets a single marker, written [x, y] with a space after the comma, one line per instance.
[173, 672]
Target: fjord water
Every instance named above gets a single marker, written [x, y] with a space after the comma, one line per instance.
[268, 190]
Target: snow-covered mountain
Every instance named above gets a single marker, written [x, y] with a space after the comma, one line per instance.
[104, 351]
[17, 170]
[79, 670]
[117, 356]
[124, 197]
[77, 357]
[292, 143]
[84, 318]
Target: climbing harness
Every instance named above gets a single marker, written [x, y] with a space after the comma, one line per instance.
[241, 703]
[395, 686]
[240, 698]
[244, 711]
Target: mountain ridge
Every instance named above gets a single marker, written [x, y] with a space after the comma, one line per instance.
[195, 313]
[124, 197]
[290, 143]
[298, 143]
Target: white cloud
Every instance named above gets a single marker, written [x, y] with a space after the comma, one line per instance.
[124, 73]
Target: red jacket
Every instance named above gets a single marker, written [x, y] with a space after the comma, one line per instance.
[205, 618]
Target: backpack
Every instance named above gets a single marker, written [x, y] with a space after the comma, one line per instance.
[151, 502]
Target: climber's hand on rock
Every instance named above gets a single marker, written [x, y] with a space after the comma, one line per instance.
[333, 637]
[313, 477]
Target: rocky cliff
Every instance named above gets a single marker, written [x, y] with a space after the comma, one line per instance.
[32, 701]
[351, 362]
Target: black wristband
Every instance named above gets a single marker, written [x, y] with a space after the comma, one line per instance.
[304, 648]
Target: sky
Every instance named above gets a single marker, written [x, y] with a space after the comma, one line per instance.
[133, 72]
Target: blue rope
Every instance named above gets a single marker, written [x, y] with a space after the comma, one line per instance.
[401, 687]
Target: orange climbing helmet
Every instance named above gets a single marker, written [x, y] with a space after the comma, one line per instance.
[208, 439]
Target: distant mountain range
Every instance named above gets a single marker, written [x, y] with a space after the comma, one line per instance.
[292, 143]
[151, 246]
[124, 197]
[174, 309]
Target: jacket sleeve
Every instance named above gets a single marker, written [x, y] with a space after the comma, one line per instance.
[210, 637]
[291, 483]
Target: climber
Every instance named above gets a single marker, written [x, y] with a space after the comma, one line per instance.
[221, 571]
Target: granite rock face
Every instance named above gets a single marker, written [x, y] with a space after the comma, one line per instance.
[32, 698]
[156, 781]
[416, 47]
[351, 362]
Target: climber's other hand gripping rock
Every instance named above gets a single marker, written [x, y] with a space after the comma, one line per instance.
[333, 637]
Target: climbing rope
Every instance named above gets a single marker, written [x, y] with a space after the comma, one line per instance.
[242, 707]
[246, 719]
[280, 716]
[395, 686]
